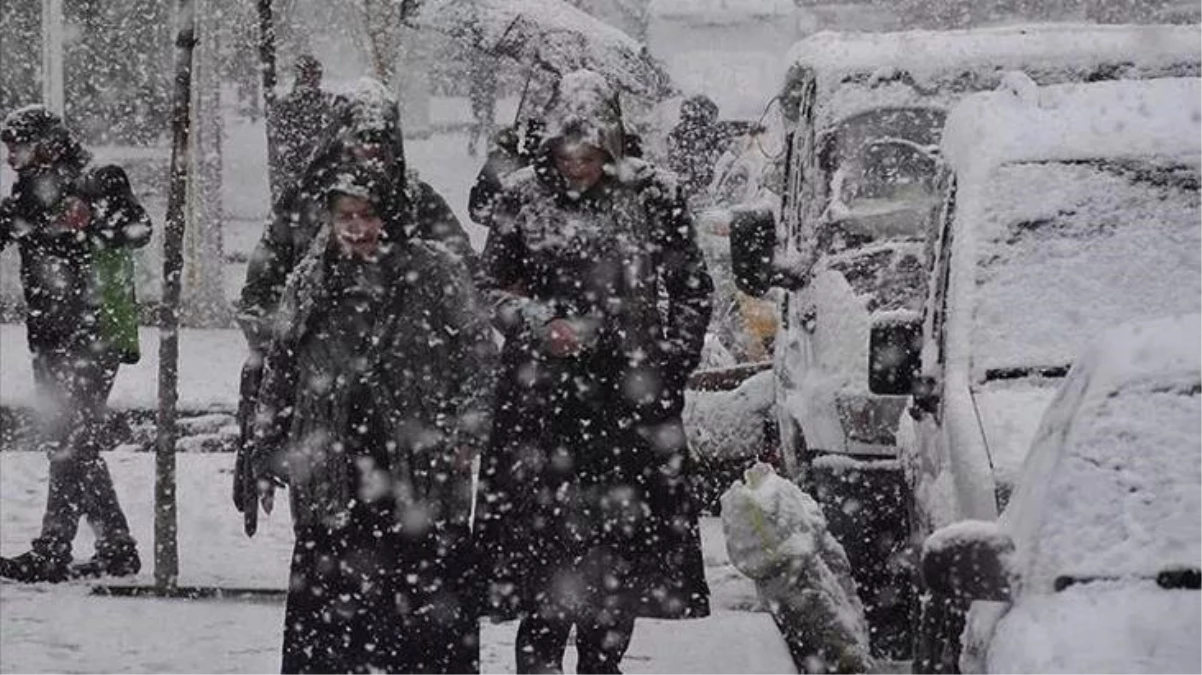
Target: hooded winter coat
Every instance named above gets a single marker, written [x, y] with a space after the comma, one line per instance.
[419, 212]
[61, 293]
[421, 359]
[373, 406]
[584, 501]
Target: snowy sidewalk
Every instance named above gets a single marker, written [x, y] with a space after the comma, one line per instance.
[210, 365]
[47, 628]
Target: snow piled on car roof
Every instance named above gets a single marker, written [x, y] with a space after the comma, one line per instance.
[1062, 251]
[835, 54]
[1023, 122]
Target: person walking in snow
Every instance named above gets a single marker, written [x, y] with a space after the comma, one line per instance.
[364, 130]
[299, 119]
[373, 405]
[695, 144]
[74, 225]
[584, 516]
[482, 94]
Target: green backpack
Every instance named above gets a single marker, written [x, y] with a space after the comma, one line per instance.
[113, 267]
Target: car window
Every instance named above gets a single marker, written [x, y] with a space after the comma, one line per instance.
[888, 277]
[885, 174]
[918, 126]
[1066, 250]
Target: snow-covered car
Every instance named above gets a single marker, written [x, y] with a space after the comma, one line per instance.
[1094, 565]
[864, 187]
[1072, 208]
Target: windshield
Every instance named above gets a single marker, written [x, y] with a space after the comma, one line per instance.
[1067, 250]
[882, 156]
[1123, 498]
[883, 175]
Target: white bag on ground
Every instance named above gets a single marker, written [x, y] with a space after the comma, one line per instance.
[776, 534]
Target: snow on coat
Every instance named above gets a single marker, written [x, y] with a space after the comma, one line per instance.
[422, 365]
[584, 500]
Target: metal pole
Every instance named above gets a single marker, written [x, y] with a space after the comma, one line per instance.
[267, 66]
[166, 544]
[52, 55]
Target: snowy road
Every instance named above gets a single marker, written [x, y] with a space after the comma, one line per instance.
[45, 628]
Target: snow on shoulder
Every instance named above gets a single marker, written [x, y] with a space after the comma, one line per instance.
[835, 54]
[1119, 119]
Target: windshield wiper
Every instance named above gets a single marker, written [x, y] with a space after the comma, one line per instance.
[1180, 578]
[1028, 371]
[1188, 577]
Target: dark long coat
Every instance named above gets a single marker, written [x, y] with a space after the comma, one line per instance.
[373, 406]
[584, 502]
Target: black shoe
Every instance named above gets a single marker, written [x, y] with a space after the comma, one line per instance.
[116, 563]
[35, 566]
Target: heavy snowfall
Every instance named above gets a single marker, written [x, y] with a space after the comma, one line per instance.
[601, 336]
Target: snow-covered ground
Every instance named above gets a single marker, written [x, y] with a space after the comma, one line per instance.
[62, 628]
[210, 364]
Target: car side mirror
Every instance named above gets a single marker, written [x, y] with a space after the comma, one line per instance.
[753, 254]
[969, 560]
[894, 356]
[924, 397]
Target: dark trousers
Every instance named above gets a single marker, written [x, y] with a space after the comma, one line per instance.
[600, 644]
[362, 598]
[72, 390]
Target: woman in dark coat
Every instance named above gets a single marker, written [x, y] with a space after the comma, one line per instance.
[364, 129]
[373, 405]
[584, 516]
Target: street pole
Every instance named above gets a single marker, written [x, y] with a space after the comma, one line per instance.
[268, 71]
[166, 543]
[52, 56]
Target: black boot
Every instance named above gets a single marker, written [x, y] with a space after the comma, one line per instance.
[36, 566]
[118, 560]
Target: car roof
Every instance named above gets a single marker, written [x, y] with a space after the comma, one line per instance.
[837, 54]
[1022, 122]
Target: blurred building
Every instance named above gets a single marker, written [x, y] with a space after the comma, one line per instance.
[730, 50]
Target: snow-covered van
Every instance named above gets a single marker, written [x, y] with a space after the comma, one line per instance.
[865, 183]
[1094, 565]
[1072, 208]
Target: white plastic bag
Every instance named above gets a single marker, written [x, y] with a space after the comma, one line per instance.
[776, 534]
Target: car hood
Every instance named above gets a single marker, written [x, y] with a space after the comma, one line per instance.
[1102, 627]
[1010, 412]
